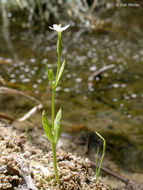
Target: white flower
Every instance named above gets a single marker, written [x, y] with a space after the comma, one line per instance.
[58, 28]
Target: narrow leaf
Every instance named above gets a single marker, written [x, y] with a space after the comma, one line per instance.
[47, 127]
[101, 160]
[57, 125]
[50, 75]
[60, 73]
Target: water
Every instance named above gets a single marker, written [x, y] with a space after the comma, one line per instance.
[113, 108]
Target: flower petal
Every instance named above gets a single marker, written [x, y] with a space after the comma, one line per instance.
[57, 28]
[51, 28]
[65, 27]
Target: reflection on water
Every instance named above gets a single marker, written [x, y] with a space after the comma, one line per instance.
[117, 98]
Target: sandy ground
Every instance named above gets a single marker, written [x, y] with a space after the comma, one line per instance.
[23, 166]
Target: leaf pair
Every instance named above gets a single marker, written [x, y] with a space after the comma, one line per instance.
[47, 127]
[53, 136]
[60, 74]
[58, 125]
[51, 75]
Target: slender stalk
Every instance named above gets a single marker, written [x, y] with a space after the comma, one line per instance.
[59, 51]
[103, 154]
[54, 132]
[53, 108]
[54, 144]
[55, 162]
[101, 160]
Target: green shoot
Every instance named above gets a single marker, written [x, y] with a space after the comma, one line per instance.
[98, 166]
[53, 130]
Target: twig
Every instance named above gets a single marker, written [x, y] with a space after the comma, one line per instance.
[97, 73]
[25, 117]
[4, 90]
[7, 117]
[31, 112]
[103, 69]
[132, 185]
[125, 180]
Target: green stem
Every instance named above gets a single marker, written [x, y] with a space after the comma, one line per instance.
[59, 51]
[53, 109]
[103, 154]
[55, 163]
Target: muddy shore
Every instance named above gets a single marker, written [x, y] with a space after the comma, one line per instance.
[23, 166]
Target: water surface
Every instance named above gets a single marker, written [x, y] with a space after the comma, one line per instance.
[113, 107]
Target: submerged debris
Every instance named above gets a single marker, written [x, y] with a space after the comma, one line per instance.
[23, 166]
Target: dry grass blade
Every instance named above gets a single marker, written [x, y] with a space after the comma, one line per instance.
[31, 112]
[4, 90]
